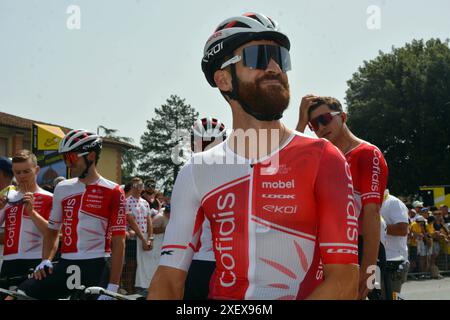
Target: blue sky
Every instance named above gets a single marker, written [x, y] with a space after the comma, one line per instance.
[130, 55]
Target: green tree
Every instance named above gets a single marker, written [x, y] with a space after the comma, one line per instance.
[164, 138]
[400, 101]
[130, 156]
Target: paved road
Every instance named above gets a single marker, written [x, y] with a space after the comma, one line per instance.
[427, 289]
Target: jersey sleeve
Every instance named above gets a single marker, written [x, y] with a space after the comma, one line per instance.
[373, 175]
[178, 246]
[118, 219]
[47, 206]
[56, 213]
[336, 209]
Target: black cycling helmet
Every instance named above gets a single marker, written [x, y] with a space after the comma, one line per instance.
[230, 35]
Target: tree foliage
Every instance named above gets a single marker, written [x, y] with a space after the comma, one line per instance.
[400, 101]
[160, 141]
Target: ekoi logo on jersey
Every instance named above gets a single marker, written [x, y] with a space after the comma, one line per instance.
[224, 244]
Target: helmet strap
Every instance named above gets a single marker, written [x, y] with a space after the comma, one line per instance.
[234, 95]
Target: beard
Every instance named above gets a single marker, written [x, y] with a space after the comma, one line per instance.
[268, 101]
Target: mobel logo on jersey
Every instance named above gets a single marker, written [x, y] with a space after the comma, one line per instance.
[279, 184]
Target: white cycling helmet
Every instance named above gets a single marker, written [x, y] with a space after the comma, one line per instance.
[80, 141]
[207, 130]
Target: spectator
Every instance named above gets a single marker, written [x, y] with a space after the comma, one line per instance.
[417, 205]
[129, 269]
[138, 216]
[160, 221]
[412, 215]
[395, 214]
[149, 194]
[445, 214]
[425, 212]
[424, 242]
[436, 237]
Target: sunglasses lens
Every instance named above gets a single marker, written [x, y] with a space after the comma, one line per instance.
[70, 157]
[323, 119]
[259, 56]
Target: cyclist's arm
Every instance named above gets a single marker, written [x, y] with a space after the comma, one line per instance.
[159, 230]
[150, 230]
[39, 221]
[2, 219]
[371, 238]
[372, 193]
[51, 235]
[167, 284]
[117, 254]
[179, 239]
[399, 229]
[337, 227]
[50, 245]
[133, 225]
[340, 283]
[118, 231]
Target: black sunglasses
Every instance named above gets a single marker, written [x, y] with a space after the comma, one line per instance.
[259, 57]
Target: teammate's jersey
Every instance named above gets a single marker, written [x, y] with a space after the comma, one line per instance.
[205, 247]
[271, 221]
[370, 174]
[89, 216]
[140, 209]
[23, 240]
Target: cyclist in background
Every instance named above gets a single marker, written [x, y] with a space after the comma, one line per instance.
[205, 134]
[91, 212]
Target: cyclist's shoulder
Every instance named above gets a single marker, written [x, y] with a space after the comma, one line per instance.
[107, 184]
[44, 193]
[305, 142]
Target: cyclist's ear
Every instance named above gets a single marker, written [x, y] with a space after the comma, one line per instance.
[222, 78]
[91, 156]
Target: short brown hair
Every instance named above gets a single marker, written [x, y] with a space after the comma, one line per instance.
[331, 102]
[24, 155]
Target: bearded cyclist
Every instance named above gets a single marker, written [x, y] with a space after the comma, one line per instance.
[276, 211]
[91, 212]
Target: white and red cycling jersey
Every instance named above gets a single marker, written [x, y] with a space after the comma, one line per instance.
[370, 174]
[272, 221]
[205, 250]
[89, 216]
[23, 240]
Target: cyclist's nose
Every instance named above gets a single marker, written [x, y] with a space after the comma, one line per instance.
[273, 67]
